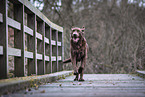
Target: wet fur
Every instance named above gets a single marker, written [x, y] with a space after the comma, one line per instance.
[78, 53]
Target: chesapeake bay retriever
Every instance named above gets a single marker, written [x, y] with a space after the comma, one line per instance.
[78, 47]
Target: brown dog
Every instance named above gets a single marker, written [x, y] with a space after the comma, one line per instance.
[78, 49]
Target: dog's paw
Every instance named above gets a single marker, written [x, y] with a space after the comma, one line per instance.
[81, 79]
[76, 79]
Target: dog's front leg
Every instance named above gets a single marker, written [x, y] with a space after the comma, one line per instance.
[81, 69]
[75, 68]
[74, 65]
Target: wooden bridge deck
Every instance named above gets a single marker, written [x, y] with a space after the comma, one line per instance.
[95, 85]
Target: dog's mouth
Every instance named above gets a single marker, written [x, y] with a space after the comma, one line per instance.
[75, 40]
[75, 37]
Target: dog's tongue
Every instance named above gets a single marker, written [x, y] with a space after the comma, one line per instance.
[75, 40]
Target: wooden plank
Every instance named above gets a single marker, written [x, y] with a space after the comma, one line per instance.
[46, 58]
[29, 54]
[59, 43]
[14, 23]
[40, 15]
[28, 30]
[54, 26]
[53, 42]
[4, 40]
[46, 40]
[39, 56]
[14, 52]
[95, 85]
[38, 35]
[141, 73]
[1, 50]
[53, 58]
[1, 17]
[59, 58]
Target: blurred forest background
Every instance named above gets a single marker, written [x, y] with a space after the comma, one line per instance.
[115, 31]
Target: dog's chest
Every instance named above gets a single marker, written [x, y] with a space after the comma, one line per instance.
[78, 51]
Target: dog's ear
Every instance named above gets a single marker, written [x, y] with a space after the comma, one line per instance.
[72, 30]
[83, 29]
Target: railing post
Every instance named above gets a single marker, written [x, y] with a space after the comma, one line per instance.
[62, 51]
[4, 40]
[19, 40]
[57, 51]
[50, 56]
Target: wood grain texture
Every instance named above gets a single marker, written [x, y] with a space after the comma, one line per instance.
[95, 85]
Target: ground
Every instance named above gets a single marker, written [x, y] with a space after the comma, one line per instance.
[95, 85]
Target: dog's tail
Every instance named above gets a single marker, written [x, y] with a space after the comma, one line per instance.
[67, 60]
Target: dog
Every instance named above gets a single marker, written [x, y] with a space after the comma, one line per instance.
[78, 47]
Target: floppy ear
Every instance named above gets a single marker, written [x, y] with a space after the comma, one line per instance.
[83, 29]
[72, 29]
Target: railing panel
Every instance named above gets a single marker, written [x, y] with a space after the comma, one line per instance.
[41, 46]
[44, 40]
[31, 46]
[47, 49]
[19, 40]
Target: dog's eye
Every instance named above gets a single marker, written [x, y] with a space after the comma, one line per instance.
[78, 30]
[73, 30]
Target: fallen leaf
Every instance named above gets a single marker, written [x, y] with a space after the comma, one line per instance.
[29, 89]
[60, 85]
[43, 91]
[133, 78]
[74, 84]
[80, 83]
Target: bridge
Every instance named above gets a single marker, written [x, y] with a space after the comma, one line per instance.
[40, 42]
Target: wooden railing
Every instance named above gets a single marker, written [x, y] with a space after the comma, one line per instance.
[44, 40]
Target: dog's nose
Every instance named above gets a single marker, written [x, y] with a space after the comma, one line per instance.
[75, 35]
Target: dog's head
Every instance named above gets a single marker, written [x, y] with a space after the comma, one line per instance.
[76, 33]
